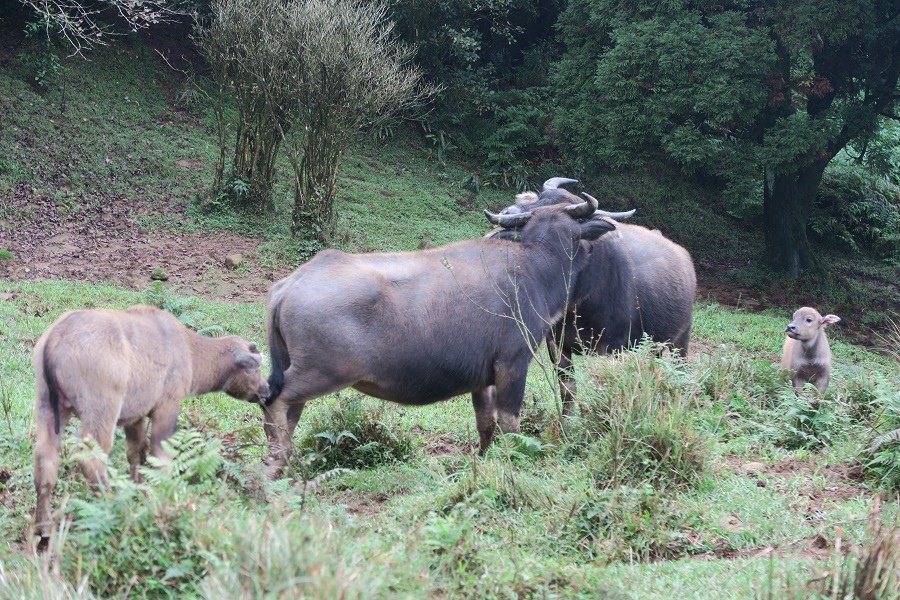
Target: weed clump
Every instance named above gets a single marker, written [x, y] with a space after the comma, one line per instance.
[185, 308]
[355, 435]
[638, 424]
[881, 458]
[627, 523]
[808, 421]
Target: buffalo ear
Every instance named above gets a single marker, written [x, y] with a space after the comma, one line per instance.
[594, 228]
[830, 319]
[252, 348]
[247, 361]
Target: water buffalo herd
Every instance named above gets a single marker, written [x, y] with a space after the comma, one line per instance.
[409, 327]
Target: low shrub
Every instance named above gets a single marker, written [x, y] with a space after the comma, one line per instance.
[881, 458]
[499, 484]
[355, 435]
[810, 421]
[185, 308]
[140, 539]
[627, 523]
[857, 211]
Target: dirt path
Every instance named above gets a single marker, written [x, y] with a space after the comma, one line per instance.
[104, 243]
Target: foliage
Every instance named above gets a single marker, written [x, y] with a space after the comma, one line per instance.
[234, 45]
[32, 580]
[881, 457]
[626, 523]
[731, 90]
[41, 56]
[355, 435]
[144, 532]
[492, 58]
[309, 75]
[810, 421]
[858, 212]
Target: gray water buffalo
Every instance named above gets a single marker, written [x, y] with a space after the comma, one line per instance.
[806, 353]
[109, 368]
[636, 281]
[421, 327]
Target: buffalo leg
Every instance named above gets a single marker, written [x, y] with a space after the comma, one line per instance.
[94, 468]
[164, 419]
[510, 382]
[280, 419]
[46, 468]
[136, 446]
[484, 401]
[279, 422]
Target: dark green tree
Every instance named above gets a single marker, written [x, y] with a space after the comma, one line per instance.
[749, 91]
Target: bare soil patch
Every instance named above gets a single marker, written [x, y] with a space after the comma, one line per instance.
[364, 505]
[103, 242]
[843, 482]
[444, 447]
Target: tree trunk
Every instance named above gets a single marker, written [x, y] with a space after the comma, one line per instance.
[787, 200]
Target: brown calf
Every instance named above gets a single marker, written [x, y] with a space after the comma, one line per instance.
[118, 368]
[806, 353]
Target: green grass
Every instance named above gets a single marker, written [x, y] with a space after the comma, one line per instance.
[440, 520]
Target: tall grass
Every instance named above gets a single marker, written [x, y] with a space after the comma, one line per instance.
[639, 421]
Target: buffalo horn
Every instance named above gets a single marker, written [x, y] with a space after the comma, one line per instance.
[554, 182]
[508, 221]
[604, 213]
[583, 209]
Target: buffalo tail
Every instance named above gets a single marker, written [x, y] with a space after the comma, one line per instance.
[280, 358]
[52, 390]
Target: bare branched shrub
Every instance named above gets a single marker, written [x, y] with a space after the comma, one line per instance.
[348, 74]
[237, 45]
[82, 24]
[308, 74]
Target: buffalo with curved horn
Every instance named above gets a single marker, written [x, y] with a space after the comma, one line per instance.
[636, 281]
[421, 327]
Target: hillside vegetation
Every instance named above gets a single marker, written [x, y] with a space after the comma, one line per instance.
[703, 477]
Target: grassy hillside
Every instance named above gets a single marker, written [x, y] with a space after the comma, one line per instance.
[697, 478]
[566, 509]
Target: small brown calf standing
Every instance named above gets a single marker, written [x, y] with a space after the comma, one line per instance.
[806, 353]
[118, 368]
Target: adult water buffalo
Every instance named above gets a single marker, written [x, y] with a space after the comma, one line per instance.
[636, 281]
[421, 327]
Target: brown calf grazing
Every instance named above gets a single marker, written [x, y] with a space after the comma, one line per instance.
[118, 368]
[806, 353]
